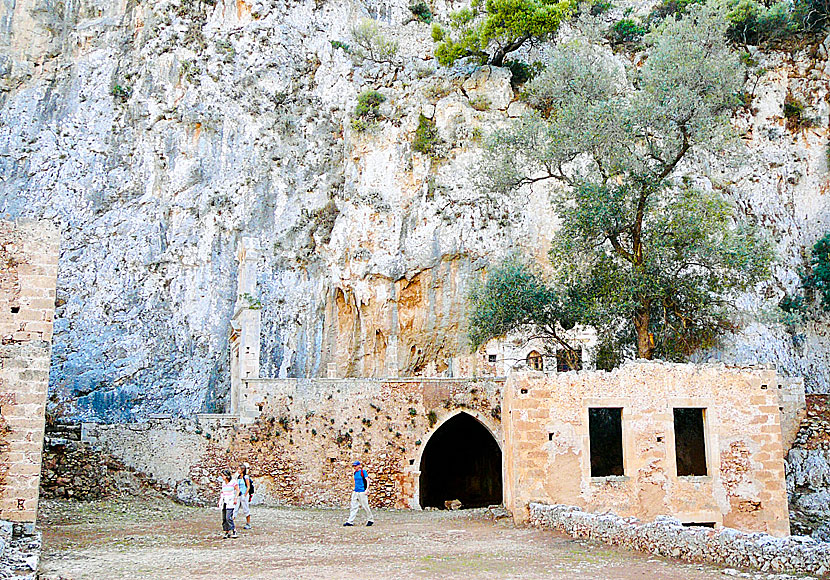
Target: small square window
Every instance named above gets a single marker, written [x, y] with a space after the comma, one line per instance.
[690, 442]
[605, 434]
[491, 358]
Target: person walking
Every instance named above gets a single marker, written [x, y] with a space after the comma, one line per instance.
[359, 499]
[227, 502]
[246, 490]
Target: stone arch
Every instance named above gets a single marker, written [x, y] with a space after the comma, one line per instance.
[461, 457]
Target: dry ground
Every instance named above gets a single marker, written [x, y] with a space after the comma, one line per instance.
[156, 539]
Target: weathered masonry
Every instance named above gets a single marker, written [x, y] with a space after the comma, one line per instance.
[703, 443]
[424, 442]
[28, 272]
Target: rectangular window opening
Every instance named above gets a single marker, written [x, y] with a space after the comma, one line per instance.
[491, 358]
[563, 365]
[605, 433]
[690, 441]
[699, 524]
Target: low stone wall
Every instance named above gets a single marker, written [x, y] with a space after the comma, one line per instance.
[666, 536]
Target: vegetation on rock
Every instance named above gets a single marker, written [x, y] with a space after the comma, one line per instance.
[642, 255]
[370, 44]
[427, 140]
[491, 29]
[421, 11]
[367, 111]
[757, 22]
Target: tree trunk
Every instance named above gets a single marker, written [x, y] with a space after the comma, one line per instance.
[498, 58]
[645, 342]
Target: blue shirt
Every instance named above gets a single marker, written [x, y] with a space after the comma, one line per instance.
[358, 480]
[243, 489]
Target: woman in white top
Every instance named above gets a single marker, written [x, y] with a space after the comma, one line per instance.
[227, 502]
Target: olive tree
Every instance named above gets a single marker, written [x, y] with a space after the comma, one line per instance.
[515, 296]
[654, 260]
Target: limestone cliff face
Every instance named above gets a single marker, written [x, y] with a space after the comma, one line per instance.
[160, 132]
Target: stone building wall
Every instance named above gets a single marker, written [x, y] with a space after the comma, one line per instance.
[301, 435]
[547, 459]
[28, 272]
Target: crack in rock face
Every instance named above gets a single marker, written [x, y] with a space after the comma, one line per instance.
[160, 132]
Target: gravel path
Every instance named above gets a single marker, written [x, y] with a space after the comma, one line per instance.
[155, 539]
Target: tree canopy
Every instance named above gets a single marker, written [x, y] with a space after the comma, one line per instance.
[651, 257]
[490, 29]
[515, 295]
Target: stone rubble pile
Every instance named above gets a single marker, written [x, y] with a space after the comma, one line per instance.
[72, 469]
[20, 547]
[666, 536]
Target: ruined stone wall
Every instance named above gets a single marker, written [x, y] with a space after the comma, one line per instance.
[668, 537]
[28, 270]
[547, 443]
[301, 435]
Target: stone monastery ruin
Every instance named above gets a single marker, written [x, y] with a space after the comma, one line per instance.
[702, 443]
[209, 256]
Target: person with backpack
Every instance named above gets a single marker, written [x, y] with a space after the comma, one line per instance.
[359, 499]
[246, 492]
[227, 502]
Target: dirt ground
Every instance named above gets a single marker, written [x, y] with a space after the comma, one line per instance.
[156, 539]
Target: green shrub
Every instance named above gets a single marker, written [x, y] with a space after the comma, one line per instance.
[627, 30]
[522, 71]
[811, 15]
[819, 277]
[759, 22]
[335, 44]
[751, 22]
[794, 114]
[368, 104]
[427, 140]
[121, 93]
[600, 7]
[792, 304]
[421, 11]
[367, 111]
[432, 418]
[670, 8]
[369, 43]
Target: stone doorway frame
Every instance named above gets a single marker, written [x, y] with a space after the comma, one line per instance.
[415, 469]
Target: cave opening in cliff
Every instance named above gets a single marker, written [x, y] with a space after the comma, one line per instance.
[461, 461]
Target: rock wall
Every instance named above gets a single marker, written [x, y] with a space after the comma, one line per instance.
[28, 269]
[162, 131]
[668, 537]
[808, 471]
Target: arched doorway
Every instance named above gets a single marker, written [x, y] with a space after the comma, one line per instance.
[461, 461]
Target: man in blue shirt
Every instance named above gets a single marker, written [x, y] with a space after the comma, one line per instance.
[359, 500]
